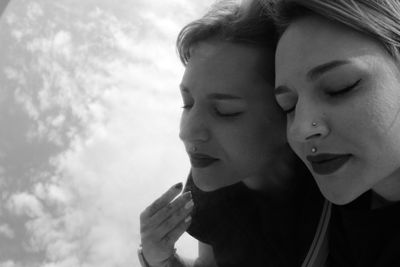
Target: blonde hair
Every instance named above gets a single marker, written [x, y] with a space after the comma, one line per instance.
[380, 19]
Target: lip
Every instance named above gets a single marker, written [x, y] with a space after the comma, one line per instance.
[324, 164]
[201, 160]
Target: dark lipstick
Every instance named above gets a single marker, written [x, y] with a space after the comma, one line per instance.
[325, 164]
[201, 160]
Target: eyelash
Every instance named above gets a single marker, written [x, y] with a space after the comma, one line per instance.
[227, 115]
[345, 90]
[332, 94]
[187, 107]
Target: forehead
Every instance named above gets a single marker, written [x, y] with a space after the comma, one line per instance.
[226, 63]
[313, 40]
[224, 53]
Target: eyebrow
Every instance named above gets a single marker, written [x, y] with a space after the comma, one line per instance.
[218, 96]
[317, 71]
[314, 73]
[214, 96]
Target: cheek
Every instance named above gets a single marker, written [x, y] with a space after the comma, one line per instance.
[269, 132]
[290, 138]
[382, 105]
[297, 148]
[182, 120]
[183, 124]
[248, 142]
[238, 142]
[272, 126]
[370, 125]
[385, 129]
[379, 117]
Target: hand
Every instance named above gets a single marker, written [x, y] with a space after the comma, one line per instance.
[162, 223]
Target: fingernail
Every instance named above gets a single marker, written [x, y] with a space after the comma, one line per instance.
[187, 195]
[189, 204]
[188, 219]
[178, 186]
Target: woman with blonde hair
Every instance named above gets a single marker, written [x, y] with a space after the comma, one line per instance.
[338, 81]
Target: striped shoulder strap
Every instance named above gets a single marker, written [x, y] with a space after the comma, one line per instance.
[318, 251]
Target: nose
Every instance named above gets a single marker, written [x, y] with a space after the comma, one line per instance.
[194, 128]
[308, 125]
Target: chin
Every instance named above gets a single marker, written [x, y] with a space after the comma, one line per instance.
[203, 185]
[339, 198]
[208, 183]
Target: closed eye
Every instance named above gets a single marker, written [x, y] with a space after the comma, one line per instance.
[344, 90]
[231, 114]
[187, 106]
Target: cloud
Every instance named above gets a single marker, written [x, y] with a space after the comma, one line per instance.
[103, 89]
[9, 264]
[6, 231]
[34, 10]
[25, 204]
[62, 45]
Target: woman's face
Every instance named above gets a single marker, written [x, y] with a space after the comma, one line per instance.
[348, 85]
[230, 115]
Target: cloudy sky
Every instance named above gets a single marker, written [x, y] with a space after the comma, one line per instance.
[89, 116]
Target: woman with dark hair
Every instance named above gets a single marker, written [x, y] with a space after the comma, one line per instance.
[248, 200]
[338, 80]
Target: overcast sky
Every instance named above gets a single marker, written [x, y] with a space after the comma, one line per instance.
[89, 116]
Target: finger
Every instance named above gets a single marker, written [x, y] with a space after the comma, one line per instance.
[155, 223]
[175, 218]
[170, 209]
[176, 233]
[162, 201]
[156, 234]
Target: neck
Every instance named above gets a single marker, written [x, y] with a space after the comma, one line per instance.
[389, 188]
[378, 201]
[280, 172]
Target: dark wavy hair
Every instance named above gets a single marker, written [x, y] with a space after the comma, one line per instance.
[247, 22]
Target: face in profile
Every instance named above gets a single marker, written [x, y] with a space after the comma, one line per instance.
[229, 114]
[341, 92]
